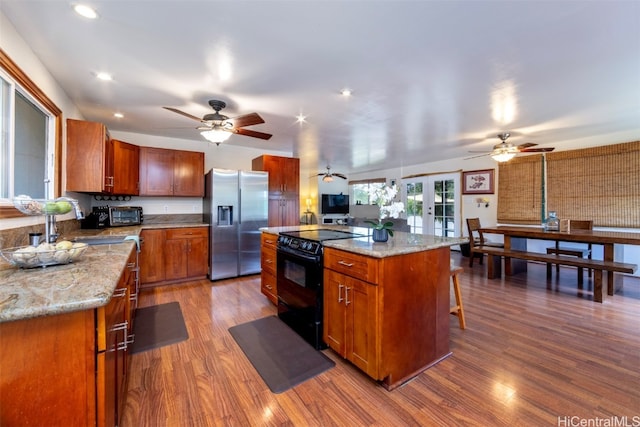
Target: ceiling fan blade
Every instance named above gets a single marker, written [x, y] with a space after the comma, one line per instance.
[339, 175]
[537, 150]
[175, 110]
[252, 133]
[481, 155]
[246, 120]
[526, 145]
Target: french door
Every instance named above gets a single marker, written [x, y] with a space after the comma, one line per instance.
[432, 204]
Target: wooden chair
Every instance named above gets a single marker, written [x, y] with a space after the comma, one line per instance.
[584, 252]
[458, 309]
[476, 239]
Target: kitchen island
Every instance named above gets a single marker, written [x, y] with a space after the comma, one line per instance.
[386, 305]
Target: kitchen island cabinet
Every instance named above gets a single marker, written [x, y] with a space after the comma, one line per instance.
[268, 267]
[165, 172]
[386, 305]
[396, 311]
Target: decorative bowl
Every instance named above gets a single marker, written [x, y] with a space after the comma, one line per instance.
[29, 206]
[43, 255]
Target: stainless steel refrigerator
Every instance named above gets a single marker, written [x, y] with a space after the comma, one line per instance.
[235, 207]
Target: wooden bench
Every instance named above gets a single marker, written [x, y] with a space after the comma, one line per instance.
[577, 252]
[598, 266]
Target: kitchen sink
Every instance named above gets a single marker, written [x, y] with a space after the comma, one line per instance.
[106, 240]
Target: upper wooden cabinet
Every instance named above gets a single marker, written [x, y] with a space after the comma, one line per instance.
[284, 188]
[166, 172]
[284, 174]
[97, 164]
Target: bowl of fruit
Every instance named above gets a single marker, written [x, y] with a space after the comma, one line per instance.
[29, 206]
[45, 254]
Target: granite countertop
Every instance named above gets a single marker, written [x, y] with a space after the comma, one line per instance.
[401, 242]
[86, 284]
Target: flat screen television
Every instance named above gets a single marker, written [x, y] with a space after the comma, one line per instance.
[335, 203]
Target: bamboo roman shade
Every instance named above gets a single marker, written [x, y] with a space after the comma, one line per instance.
[519, 190]
[600, 184]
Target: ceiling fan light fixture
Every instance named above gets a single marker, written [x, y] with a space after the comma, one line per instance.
[502, 156]
[215, 135]
[327, 178]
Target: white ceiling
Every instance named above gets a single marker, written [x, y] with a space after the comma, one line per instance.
[431, 80]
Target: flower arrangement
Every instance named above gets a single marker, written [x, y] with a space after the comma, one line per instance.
[383, 197]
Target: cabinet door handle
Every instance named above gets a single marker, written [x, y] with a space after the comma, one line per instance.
[268, 287]
[346, 296]
[119, 293]
[346, 264]
[340, 299]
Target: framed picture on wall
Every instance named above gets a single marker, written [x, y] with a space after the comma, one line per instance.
[478, 182]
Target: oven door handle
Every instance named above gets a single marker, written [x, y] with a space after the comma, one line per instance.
[296, 255]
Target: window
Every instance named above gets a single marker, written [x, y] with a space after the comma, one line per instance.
[30, 139]
[360, 190]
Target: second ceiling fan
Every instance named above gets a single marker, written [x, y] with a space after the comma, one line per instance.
[218, 128]
[328, 175]
[505, 151]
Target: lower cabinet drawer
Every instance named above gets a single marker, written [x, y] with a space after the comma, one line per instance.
[186, 233]
[354, 265]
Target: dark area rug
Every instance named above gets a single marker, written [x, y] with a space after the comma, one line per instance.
[157, 326]
[282, 358]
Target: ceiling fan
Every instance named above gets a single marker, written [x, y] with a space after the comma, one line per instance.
[218, 128]
[328, 175]
[505, 151]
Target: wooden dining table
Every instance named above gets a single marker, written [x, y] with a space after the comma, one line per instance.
[515, 238]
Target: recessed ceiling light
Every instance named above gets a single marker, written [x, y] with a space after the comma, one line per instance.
[104, 76]
[301, 118]
[346, 92]
[86, 11]
[118, 115]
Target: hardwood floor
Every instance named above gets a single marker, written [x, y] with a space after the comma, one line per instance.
[534, 353]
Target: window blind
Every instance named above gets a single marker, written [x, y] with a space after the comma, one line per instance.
[520, 190]
[601, 184]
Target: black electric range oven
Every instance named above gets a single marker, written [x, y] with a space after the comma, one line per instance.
[299, 260]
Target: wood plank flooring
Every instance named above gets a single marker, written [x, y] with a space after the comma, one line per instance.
[535, 353]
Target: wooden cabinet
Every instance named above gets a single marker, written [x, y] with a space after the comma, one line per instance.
[151, 256]
[173, 255]
[186, 252]
[350, 319]
[283, 212]
[166, 172]
[125, 176]
[284, 173]
[268, 267]
[67, 369]
[98, 164]
[388, 316]
[284, 188]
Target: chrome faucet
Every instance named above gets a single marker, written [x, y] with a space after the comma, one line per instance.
[51, 229]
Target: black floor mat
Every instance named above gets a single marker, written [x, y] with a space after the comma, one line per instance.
[282, 358]
[157, 326]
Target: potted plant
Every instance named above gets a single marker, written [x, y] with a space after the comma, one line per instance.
[383, 197]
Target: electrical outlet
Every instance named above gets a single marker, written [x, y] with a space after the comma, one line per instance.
[166, 208]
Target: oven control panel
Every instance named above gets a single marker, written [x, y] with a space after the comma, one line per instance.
[300, 245]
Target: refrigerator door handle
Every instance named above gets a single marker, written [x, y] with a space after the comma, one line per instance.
[239, 205]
